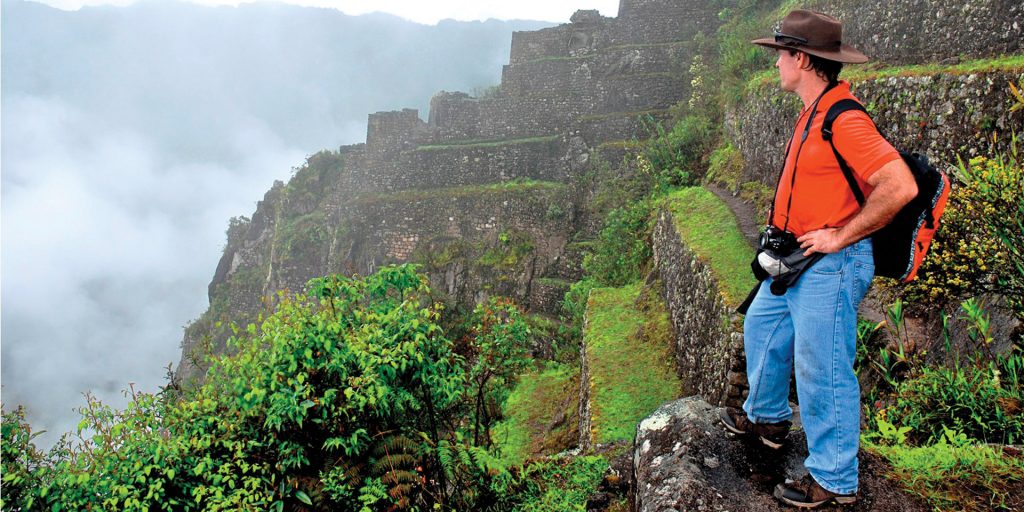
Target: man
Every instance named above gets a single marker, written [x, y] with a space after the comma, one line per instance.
[812, 326]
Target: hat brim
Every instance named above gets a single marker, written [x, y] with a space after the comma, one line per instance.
[845, 54]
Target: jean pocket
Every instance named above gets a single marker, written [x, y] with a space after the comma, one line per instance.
[865, 272]
[830, 265]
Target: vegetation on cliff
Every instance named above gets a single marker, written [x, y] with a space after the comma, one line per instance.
[364, 394]
[350, 397]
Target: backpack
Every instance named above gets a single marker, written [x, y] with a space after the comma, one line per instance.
[901, 245]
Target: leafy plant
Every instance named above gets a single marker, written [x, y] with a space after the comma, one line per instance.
[622, 249]
[498, 353]
[349, 397]
[562, 485]
[954, 473]
[24, 466]
[980, 244]
[678, 157]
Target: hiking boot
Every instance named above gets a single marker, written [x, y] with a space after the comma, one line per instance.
[773, 435]
[806, 493]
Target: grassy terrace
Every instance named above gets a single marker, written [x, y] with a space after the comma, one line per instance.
[708, 227]
[514, 186]
[630, 357]
[617, 115]
[659, 74]
[531, 407]
[622, 144]
[558, 58]
[551, 281]
[648, 45]
[473, 144]
[866, 72]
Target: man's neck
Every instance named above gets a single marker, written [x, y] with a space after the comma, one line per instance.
[811, 90]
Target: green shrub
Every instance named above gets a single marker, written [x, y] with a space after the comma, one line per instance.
[557, 485]
[679, 157]
[348, 398]
[980, 241]
[23, 464]
[979, 395]
[954, 473]
[738, 59]
[498, 352]
[726, 167]
[974, 399]
[622, 249]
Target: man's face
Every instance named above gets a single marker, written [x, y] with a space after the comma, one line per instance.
[789, 69]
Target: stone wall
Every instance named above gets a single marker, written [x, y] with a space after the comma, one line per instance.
[417, 191]
[941, 115]
[917, 31]
[388, 131]
[709, 346]
[650, 21]
[590, 67]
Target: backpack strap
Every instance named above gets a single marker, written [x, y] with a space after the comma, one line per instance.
[826, 133]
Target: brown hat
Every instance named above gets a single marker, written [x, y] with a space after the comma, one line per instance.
[814, 33]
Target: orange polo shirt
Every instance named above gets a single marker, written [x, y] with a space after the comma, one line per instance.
[821, 196]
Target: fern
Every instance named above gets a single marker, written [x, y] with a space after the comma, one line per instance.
[396, 462]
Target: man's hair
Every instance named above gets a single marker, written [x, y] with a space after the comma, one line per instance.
[828, 70]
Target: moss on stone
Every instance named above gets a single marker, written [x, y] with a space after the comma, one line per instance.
[301, 233]
[537, 399]
[557, 58]
[622, 144]
[511, 249]
[553, 282]
[629, 351]
[647, 45]
[522, 186]
[866, 73]
[710, 230]
[617, 115]
[489, 143]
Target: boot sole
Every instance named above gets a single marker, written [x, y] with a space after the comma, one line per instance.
[838, 500]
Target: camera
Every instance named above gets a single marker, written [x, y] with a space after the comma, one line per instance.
[778, 241]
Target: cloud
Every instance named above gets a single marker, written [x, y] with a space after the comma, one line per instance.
[131, 136]
[107, 251]
[429, 13]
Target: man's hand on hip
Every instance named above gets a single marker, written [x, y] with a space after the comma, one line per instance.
[825, 241]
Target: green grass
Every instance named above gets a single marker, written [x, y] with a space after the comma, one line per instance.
[957, 476]
[551, 281]
[864, 73]
[559, 58]
[616, 115]
[709, 229]
[622, 144]
[514, 186]
[657, 74]
[491, 143]
[529, 410]
[630, 375]
[561, 485]
[648, 45]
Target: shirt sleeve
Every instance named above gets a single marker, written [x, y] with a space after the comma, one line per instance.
[860, 144]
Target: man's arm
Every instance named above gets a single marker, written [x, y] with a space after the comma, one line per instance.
[894, 187]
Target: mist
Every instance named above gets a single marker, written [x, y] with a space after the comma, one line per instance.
[130, 135]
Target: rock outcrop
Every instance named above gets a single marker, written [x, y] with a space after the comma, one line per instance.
[684, 460]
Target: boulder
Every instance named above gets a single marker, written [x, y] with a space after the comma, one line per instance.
[684, 460]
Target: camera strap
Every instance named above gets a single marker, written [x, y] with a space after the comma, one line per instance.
[796, 160]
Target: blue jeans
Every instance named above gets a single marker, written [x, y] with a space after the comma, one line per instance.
[813, 325]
